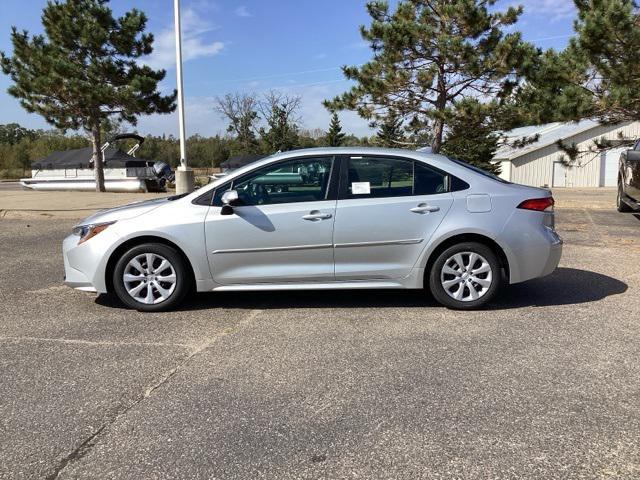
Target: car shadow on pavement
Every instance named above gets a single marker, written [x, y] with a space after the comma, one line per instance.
[563, 287]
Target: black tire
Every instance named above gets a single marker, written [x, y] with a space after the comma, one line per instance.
[182, 278]
[438, 290]
[620, 204]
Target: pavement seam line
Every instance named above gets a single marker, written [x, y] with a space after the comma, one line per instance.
[78, 341]
[85, 447]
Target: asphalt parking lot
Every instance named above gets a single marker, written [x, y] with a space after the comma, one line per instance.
[384, 384]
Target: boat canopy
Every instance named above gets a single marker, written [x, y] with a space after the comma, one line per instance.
[82, 158]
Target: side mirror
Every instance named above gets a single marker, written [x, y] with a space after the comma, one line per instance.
[229, 199]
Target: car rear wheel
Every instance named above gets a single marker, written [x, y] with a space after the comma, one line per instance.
[150, 278]
[622, 206]
[465, 276]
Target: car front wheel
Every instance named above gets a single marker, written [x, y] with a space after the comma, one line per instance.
[151, 277]
[622, 206]
[465, 276]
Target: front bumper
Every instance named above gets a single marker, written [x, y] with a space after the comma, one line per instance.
[73, 277]
[85, 264]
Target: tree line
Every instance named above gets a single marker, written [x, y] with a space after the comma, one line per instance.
[20, 147]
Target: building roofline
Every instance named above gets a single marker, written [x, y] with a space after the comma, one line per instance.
[535, 146]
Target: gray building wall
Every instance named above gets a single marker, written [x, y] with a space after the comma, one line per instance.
[536, 168]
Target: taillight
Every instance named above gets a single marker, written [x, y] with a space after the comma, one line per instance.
[538, 204]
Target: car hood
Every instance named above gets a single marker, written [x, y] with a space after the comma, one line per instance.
[125, 212]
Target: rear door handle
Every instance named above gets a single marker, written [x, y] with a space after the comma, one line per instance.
[424, 208]
[314, 215]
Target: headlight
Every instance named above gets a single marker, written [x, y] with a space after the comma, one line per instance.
[87, 232]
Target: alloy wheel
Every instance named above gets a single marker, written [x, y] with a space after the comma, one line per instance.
[466, 276]
[149, 278]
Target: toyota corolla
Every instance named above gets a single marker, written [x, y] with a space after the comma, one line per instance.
[326, 218]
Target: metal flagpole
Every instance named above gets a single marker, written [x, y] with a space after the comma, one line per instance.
[184, 175]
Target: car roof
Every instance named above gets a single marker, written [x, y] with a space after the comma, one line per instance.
[433, 159]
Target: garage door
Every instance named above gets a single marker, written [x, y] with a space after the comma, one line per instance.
[559, 175]
[609, 167]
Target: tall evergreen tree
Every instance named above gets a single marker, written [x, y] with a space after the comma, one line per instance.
[83, 71]
[596, 76]
[390, 134]
[335, 136]
[608, 34]
[472, 135]
[428, 54]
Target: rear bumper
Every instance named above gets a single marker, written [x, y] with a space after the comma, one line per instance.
[538, 258]
[553, 259]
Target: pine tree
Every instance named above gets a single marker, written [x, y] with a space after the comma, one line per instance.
[390, 134]
[472, 136]
[427, 54]
[83, 71]
[608, 33]
[335, 136]
[596, 76]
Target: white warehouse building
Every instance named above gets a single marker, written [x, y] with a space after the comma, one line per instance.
[539, 163]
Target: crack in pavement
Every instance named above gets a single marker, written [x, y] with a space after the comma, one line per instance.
[85, 447]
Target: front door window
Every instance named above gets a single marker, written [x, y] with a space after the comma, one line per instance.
[294, 181]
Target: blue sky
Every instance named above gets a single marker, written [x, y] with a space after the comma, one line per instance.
[255, 45]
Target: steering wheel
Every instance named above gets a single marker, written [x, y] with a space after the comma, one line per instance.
[259, 194]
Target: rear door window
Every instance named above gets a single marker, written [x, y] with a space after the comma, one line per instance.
[372, 177]
[380, 177]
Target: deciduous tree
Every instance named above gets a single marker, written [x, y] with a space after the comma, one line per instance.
[241, 111]
[280, 111]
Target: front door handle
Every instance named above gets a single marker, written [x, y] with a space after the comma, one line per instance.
[424, 208]
[316, 215]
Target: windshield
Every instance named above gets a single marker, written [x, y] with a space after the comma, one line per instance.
[478, 170]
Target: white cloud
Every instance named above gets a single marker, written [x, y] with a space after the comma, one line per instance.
[242, 11]
[194, 44]
[553, 9]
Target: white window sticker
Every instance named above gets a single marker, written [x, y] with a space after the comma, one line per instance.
[360, 188]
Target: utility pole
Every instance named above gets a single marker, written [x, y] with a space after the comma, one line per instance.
[184, 175]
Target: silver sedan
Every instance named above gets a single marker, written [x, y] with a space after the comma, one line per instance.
[323, 218]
